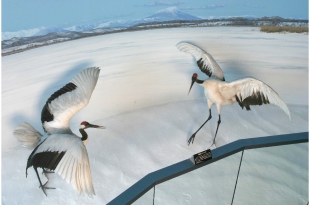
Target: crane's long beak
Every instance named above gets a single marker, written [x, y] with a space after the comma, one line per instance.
[96, 126]
[193, 81]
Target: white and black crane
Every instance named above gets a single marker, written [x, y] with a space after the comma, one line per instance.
[246, 92]
[62, 151]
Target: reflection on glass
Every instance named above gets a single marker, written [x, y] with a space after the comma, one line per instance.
[211, 184]
[274, 175]
[146, 199]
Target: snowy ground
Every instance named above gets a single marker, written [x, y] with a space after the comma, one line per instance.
[141, 97]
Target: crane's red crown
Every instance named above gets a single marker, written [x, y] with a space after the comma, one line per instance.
[195, 75]
[84, 123]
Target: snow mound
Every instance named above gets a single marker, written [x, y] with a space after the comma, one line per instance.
[141, 98]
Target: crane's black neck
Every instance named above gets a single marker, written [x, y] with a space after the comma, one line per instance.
[84, 134]
[199, 81]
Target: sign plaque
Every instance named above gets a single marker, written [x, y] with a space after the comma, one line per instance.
[201, 157]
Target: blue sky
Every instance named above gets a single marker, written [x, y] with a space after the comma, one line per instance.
[26, 14]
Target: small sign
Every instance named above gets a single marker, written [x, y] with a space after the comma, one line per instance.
[202, 156]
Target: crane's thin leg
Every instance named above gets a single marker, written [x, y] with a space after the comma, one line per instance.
[218, 124]
[191, 139]
[35, 169]
[42, 186]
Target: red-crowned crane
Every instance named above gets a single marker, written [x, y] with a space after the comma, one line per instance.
[246, 92]
[62, 151]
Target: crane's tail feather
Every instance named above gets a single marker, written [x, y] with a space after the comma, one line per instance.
[27, 135]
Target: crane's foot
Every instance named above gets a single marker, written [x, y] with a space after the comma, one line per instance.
[191, 139]
[43, 187]
[213, 144]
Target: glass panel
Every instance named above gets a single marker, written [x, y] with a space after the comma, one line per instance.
[146, 199]
[211, 184]
[274, 175]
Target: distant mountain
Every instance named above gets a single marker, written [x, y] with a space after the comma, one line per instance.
[19, 44]
[50, 30]
[168, 14]
[21, 33]
[32, 32]
[80, 28]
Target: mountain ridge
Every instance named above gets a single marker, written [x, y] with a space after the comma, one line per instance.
[170, 13]
[19, 44]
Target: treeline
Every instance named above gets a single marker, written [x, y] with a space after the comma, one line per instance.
[290, 29]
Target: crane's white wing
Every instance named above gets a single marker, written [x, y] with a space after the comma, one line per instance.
[205, 61]
[250, 91]
[67, 155]
[68, 100]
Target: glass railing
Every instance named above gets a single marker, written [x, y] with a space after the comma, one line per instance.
[147, 198]
[201, 184]
[274, 175]
[266, 170]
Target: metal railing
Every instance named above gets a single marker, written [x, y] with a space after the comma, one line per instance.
[155, 178]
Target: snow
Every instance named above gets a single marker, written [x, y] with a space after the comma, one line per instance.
[22, 33]
[141, 97]
[173, 11]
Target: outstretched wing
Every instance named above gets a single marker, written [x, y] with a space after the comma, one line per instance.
[205, 61]
[67, 155]
[250, 91]
[64, 103]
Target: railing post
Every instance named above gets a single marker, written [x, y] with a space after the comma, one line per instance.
[232, 201]
[154, 196]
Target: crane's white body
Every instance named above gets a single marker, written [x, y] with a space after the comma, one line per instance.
[213, 91]
[219, 92]
[246, 92]
[224, 93]
[74, 165]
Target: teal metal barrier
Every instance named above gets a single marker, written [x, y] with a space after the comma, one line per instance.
[155, 178]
